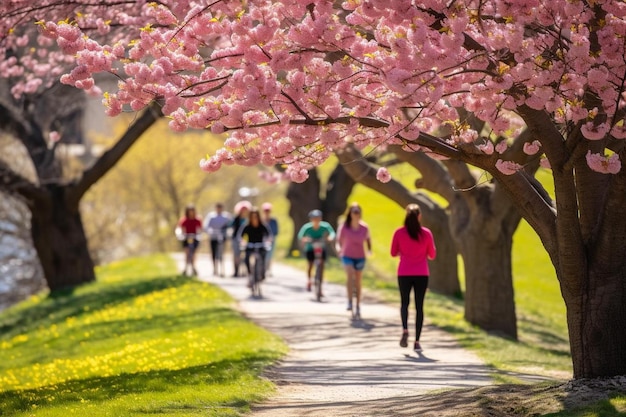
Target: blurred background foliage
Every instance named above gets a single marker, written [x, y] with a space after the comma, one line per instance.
[133, 210]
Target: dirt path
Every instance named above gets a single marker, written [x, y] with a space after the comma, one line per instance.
[340, 367]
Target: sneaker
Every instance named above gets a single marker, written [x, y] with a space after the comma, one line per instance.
[358, 312]
[417, 347]
[349, 308]
[404, 342]
[308, 286]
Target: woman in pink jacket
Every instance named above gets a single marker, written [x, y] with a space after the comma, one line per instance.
[415, 246]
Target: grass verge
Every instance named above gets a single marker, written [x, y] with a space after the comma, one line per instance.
[140, 340]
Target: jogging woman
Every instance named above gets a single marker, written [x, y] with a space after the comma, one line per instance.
[414, 244]
[352, 237]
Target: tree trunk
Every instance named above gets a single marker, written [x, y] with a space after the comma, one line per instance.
[489, 296]
[444, 269]
[596, 326]
[484, 238]
[302, 198]
[338, 190]
[60, 240]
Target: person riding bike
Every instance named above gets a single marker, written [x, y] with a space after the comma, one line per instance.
[255, 233]
[315, 230]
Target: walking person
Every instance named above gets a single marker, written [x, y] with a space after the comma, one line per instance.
[271, 222]
[353, 236]
[188, 230]
[316, 230]
[241, 217]
[216, 225]
[414, 244]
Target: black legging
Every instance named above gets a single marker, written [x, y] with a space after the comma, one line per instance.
[418, 283]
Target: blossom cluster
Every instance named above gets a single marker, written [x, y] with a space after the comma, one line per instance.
[294, 80]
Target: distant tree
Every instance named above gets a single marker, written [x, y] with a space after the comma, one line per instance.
[40, 122]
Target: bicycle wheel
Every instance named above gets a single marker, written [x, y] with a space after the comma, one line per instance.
[257, 275]
[318, 282]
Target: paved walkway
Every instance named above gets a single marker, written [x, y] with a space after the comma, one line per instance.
[337, 366]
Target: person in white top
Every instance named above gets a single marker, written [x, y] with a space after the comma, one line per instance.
[216, 224]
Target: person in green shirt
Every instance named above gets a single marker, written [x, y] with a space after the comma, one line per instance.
[315, 230]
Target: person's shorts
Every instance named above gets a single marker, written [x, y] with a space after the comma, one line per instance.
[194, 243]
[311, 256]
[357, 263]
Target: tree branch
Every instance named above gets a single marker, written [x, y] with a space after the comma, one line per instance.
[115, 153]
[435, 178]
[14, 183]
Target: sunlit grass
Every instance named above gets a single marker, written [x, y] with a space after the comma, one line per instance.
[614, 407]
[139, 341]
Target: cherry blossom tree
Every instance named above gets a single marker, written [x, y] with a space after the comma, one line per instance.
[295, 80]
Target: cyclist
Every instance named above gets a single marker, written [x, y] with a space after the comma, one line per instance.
[315, 230]
[188, 230]
[255, 232]
[216, 224]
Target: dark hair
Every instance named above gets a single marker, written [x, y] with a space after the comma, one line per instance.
[349, 213]
[412, 221]
[254, 210]
[188, 209]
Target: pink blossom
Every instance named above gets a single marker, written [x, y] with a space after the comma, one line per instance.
[531, 148]
[383, 175]
[593, 131]
[619, 130]
[545, 163]
[507, 167]
[54, 136]
[210, 165]
[604, 164]
[298, 175]
[486, 147]
[501, 147]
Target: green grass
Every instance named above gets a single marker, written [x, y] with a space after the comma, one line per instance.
[140, 340]
[614, 407]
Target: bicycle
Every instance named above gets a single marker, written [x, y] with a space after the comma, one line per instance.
[257, 267]
[318, 252]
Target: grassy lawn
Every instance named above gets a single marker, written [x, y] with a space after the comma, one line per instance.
[139, 341]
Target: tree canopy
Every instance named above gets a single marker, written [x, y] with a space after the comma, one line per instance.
[368, 72]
